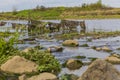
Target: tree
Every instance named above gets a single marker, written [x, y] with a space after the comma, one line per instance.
[42, 7]
[37, 7]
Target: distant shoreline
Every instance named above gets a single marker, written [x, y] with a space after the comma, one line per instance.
[86, 11]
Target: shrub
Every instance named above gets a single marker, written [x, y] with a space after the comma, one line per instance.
[46, 61]
[6, 49]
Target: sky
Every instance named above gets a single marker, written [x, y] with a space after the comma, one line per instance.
[8, 5]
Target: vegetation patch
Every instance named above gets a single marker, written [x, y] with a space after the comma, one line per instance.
[80, 57]
[45, 60]
[86, 11]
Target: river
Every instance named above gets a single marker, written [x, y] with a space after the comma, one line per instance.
[70, 52]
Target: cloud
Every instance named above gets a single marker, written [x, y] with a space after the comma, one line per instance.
[7, 5]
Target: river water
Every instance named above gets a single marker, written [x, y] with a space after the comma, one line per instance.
[70, 52]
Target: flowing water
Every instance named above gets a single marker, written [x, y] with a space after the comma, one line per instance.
[70, 52]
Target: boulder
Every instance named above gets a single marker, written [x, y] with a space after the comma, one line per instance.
[72, 43]
[43, 76]
[116, 55]
[107, 49]
[73, 64]
[98, 49]
[100, 70]
[27, 50]
[19, 65]
[55, 49]
[22, 77]
[113, 59]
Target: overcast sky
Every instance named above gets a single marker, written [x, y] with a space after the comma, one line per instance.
[7, 5]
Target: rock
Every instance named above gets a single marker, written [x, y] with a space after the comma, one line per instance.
[43, 76]
[55, 49]
[72, 43]
[100, 70]
[118, 48]
[29, 39]
[80, 57]
[22, 77]
[39, 47]
[68, 77]
[73, 64]
[27, 50]
[98, 49]
[93, 47]
[84, 45]
[32, 42]
[116, 55]
[19, 65]
[20, 42]
[113, 59]
[107, 49]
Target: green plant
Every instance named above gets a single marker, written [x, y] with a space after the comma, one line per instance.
[46, 62]
[68, 77]
[7, 48]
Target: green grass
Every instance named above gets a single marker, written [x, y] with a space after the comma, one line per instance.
[5, 34]
[86, 11]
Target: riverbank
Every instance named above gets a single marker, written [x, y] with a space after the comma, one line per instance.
[57, 13]
[86, 11]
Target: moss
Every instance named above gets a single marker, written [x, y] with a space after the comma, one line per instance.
[68, 77]
[92, 59]
[93, 47]
[118, 48]
[84, 45]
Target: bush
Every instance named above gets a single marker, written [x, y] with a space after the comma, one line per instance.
[46, 62]
[6, 49]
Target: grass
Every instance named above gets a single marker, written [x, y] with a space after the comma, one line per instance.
[5, 34]
[86, 11]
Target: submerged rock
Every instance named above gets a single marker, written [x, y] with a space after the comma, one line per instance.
[29, 39]
[55, 49]
[43, 76]
[68, 77]
[19, 65]
[100, 70]
[73, 64]
[72, 43]
[84, 45]
[107, 49]
[98, 49]
[27, 50]
[114, 58]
